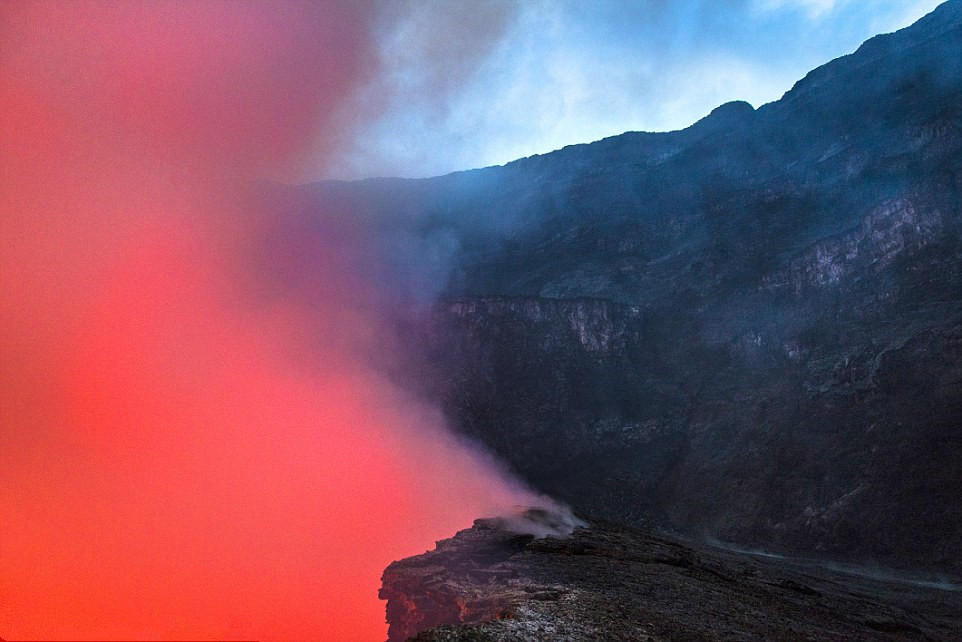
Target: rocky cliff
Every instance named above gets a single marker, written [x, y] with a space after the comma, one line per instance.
[749, 330]
[608, 582]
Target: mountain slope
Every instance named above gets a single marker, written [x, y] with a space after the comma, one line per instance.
[750, 329]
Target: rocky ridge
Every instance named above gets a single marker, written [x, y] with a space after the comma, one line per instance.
[748, 330]
[609, 582]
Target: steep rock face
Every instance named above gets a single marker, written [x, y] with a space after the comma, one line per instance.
[805, 432]
[425, 593]
[552, 385]
[771, 353]
[750, 329]
[612, 583]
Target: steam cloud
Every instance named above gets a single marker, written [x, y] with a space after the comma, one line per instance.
[185, 451]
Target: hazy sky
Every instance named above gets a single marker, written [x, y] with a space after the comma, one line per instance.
[469, 84]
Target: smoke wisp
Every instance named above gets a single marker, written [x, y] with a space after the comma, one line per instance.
[185, 451]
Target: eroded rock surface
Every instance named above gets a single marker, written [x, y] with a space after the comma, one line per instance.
[749, 329]
[612, 583]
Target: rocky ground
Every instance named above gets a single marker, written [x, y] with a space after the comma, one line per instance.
[608, 582]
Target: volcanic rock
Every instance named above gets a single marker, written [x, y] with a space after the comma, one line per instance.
[748, 330]
[608, 582]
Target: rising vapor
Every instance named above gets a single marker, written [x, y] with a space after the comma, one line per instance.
[184, 453]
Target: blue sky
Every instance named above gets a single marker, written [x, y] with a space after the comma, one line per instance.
[468, 84]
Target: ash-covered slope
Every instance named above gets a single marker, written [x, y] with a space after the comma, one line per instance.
[750, 329]
[608, 582]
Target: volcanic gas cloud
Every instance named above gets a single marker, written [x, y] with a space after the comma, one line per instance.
[182, 453]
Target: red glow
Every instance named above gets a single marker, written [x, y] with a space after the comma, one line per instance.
[165, 470]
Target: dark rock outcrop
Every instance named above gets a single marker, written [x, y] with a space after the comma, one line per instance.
[750, 329]
[612, 583]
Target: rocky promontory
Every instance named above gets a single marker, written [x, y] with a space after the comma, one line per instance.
[608, 582]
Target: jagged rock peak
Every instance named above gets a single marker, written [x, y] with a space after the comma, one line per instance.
[730, 114]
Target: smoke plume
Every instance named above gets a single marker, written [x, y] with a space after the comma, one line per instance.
[185, 451]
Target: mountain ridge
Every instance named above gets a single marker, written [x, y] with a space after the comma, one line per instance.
[942, 16]
[792, 378]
